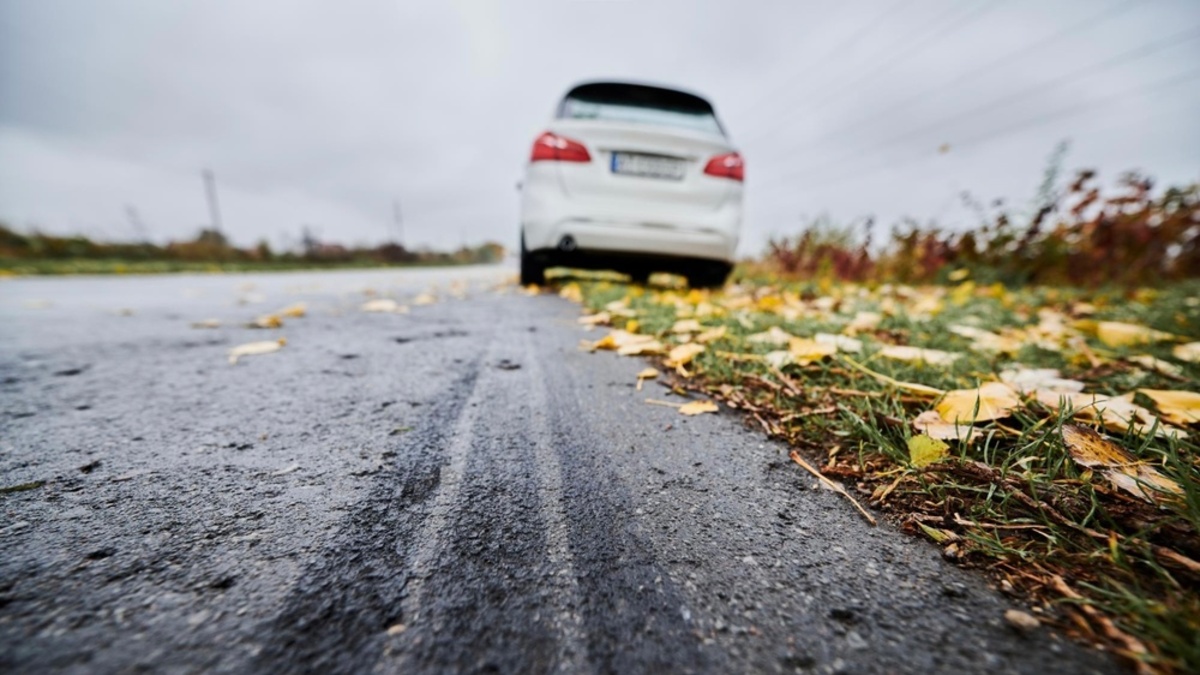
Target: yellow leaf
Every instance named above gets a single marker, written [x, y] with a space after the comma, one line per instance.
[255, 348]
[424, 299]
[1116, 413]
[645, 374]
[618, 339]
[806, 350]
[1119, 334]
[925, 450]
[687, 326]
[597, 319]
[934, 357]
[959, 274]
[267, 321]
[1093, 451]
[1189, 352]
[698, 407]
[931, 424]
[711, 335]
[987, 341]
[1177, 407]
[571, 292]
[650, 346]
[632, 326]
[773, 336]
[294, 311]
[683, 354]
[991, 401]
[963, 293]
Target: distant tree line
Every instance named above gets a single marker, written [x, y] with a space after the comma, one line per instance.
[211, 246]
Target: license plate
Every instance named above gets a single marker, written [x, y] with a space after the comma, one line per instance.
[648, 166]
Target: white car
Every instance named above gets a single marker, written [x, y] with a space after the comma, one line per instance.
[635, 178]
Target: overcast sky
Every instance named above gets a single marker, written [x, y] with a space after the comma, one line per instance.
[322, 113]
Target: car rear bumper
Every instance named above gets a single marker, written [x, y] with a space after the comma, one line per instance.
[637, 227]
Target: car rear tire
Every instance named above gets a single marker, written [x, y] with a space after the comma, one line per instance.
[532, 271]
[641, 277]
[709, 276]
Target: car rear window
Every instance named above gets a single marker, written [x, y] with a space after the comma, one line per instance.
[640, 104]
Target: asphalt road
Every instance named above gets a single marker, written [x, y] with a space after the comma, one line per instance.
[456, 489]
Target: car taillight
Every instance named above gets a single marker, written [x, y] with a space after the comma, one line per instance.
[727, 166]
[551, 146]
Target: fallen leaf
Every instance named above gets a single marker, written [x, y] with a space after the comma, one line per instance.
[687, 326]
[1120, 334]
[1116, 413]
[294, 311]
[1030, 380]
[806, 350]
[711, 335]
[841, 342]
[424, 299]
[645, 374]
[774, 335]
[925, 450]
[935, 357]
[698, 407]
[931, 424]
[256, 348]
[1093, 451]
[1158, 365]
[597, 319]
[1189, 352]
[646, 347]
[987, 341]
[863, 321]
[617, 339]
[266, 321]
[571, 292]
[683, 354]
[1177, 407]
[384, 305]
[991, 401]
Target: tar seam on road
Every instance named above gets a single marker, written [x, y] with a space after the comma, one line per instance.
[433, 530]
[573, 646]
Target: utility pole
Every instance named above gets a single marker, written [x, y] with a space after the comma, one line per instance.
[398, 221]
[214, 209]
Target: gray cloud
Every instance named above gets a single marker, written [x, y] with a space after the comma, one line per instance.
[323, 113]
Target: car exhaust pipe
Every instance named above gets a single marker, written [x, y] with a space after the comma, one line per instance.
[567, 244]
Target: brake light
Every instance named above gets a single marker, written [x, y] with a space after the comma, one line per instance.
[727, 166]
[552, 147]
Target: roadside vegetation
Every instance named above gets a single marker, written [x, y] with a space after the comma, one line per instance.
[1024, 396]
[210, 251]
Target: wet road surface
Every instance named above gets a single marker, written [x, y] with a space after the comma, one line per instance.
[456, 489]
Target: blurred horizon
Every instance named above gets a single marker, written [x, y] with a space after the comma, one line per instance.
[326, 117]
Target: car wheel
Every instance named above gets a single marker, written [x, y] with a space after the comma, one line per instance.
[709, 276]
[532, 271]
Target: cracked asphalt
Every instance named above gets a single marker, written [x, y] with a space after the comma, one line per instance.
[455, 489]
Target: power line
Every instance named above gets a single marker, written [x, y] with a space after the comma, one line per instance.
[1024, 124]
[1009, 99]
[844, 44]
[1024, 50]
[892, 60]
